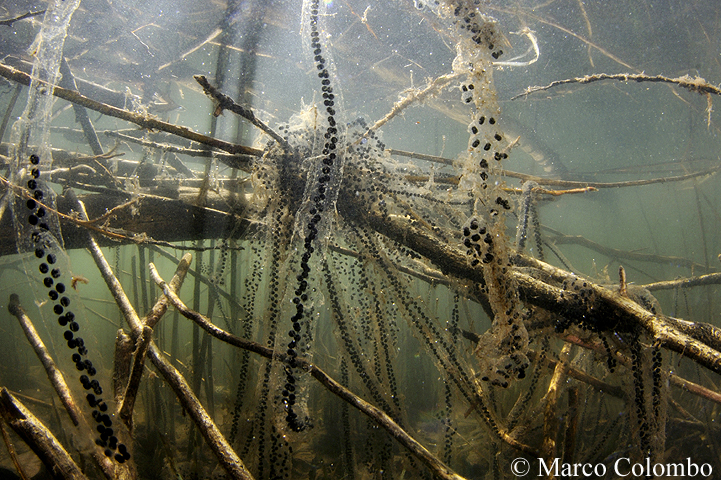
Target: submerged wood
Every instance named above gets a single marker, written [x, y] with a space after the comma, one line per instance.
[377, 415]
[160, 218]
[448, 258]
[144, 121]
[695, 84]
[39, 438]
[122, 361]
[125, 408]
[223, 451]
[54, 375]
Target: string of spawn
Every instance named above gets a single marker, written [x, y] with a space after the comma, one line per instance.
[66, 318]
[501, 351]
[319, 203]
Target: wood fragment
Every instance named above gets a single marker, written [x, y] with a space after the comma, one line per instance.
[121, 364]
[9, 22]
[553, 394]
[622, 282]
[415, 95]
[11, 451]
[227, 103]
[710, 279]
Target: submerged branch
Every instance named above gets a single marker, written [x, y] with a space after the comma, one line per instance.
[377, 415]
[227, 103]
[695, 84]
[220, 447]
[550, 182]
[413, 97]
[9, 22]
[54, 375]
[143, 121]
[710, 279]
[39, 438]
[125, 408]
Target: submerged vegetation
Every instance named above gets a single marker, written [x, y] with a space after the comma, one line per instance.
[333, 249]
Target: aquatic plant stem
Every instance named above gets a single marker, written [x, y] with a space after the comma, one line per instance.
[41, 440]
[377, 415]
[56, 378]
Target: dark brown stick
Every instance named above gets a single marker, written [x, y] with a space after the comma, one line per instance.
[9, 22]
[121, 364]
[54, 375]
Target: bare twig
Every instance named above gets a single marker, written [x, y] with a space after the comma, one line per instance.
[710, 279]
[239, 161]
[615, 253]
[413, 97]
[11, 451]
[551, 182]
[9, 22]
[695, 84]
[224, 102]
[56, 378]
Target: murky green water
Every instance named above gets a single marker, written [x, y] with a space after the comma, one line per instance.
[373, 235]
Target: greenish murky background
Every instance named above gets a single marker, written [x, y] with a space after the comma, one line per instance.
[606, 131]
